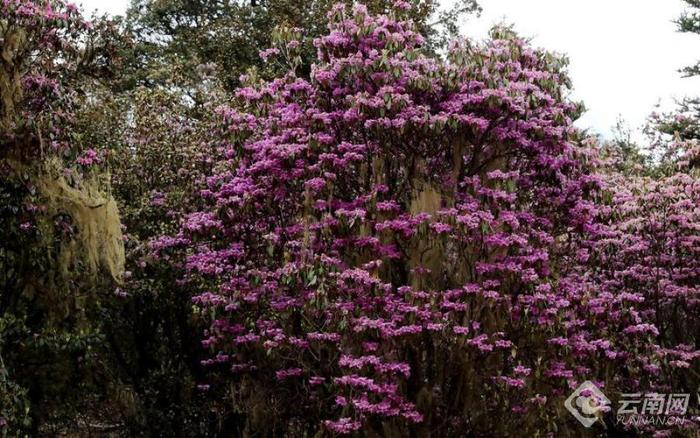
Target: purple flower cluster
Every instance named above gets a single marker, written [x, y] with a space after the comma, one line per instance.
[398, 226]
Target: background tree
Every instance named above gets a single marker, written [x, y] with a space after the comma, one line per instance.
[689, 22]
[164, 151]
[683, 123]
[178, 37]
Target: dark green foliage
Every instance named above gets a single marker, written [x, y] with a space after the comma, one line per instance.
[178, 38]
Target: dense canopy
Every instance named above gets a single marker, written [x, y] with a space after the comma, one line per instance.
[334, 225]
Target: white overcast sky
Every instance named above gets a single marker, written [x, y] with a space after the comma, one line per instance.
[624, 53]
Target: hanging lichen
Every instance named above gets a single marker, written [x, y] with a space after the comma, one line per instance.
[97, 241]
[10, 87]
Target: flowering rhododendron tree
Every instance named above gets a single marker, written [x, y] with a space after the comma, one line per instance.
[641, 278]
[60, 226]
[395, 244]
